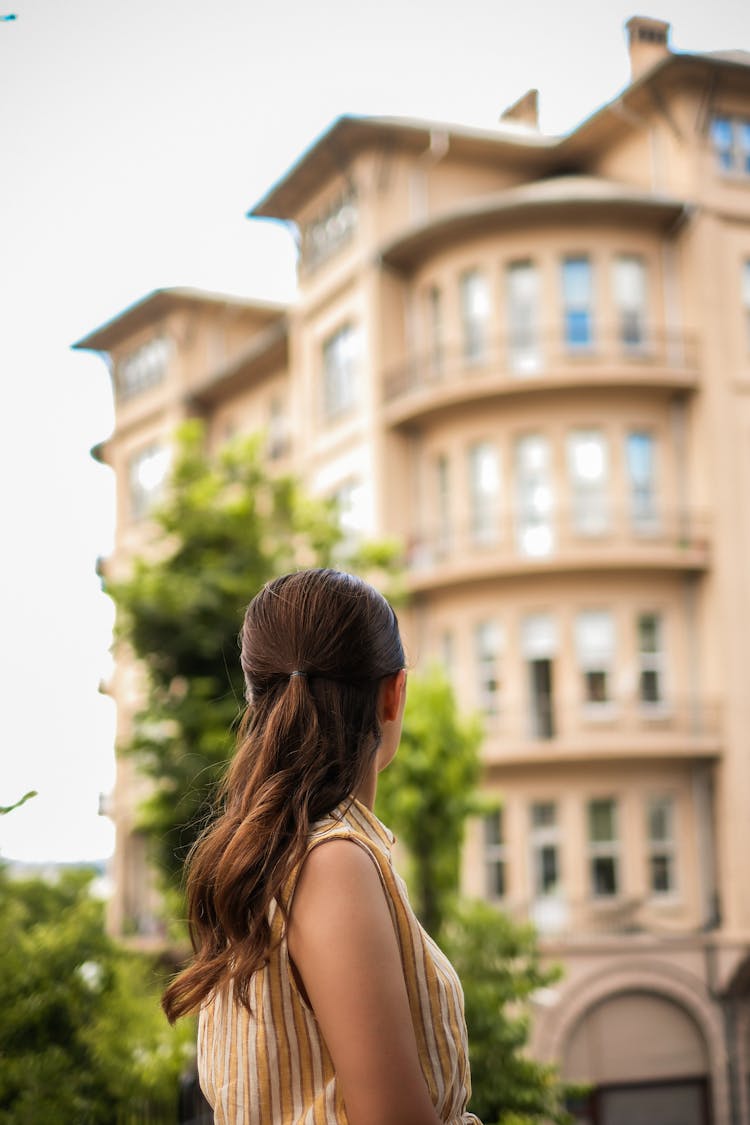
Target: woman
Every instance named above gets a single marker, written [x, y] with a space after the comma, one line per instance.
[322, 1001]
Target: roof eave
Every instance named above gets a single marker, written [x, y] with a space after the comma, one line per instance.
[407, 251]
[146, 310]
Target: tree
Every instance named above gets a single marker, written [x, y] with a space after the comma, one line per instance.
[500, 968]
[429, 790]
[225, 527]
[82, 1040]
[426, 795]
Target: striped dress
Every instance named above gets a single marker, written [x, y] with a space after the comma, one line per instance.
[273, 1068]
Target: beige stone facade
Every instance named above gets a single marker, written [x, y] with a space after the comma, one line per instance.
[529, 359]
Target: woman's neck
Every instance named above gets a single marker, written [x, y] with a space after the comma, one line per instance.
[368, 788]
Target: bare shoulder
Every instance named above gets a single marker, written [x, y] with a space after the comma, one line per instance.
[343, 944]
[338, 882]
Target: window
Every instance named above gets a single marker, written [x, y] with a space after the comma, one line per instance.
[444, 517]
[661, 845]
[641, 469]
[588, 472]
[650, 659]
[545, 849]
[495, 855]
[539, 646]
[603, 848]
[349, 500]
[322, 237]
[341, 356]
[147, 473]
[475, 312]
[435, 330]
[731, 141]
[487, 645]
[630, 300]
[577, 302]
[484, 483]
[522, 287]
[595, 645]
[143, 368]
[534, 530]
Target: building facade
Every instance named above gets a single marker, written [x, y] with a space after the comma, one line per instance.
[528, 358]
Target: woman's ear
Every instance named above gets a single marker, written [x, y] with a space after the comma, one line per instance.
[392, 696]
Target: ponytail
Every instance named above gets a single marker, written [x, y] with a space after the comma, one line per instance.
[306, 742]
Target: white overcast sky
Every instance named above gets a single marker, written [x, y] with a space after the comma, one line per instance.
[134, 136]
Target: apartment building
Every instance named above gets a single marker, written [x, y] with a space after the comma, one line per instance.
[529, 359]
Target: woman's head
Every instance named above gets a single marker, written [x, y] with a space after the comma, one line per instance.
[323, 623]
[316, 646]
[321, 654]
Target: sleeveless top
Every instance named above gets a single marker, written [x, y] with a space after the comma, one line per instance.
[272, 1067]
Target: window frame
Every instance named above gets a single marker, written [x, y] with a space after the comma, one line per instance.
[602, 662]
[590, 502]
[487, 661]
[665, 848]
[144, 367]
[495, 855]
[531, 518]
[638, 310]
[544, 838]
[575, 308]
[732, 156]
[142, 499]
[643, 494]
[341, 373]
[652, 662]
[484, 503]
[522, 318]
[476, 307]
[609, 849]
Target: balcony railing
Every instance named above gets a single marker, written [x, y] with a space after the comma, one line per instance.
[588, 534]
[511, 363]
[559, 916]
[621, 727]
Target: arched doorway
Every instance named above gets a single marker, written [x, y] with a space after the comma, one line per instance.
[645, 1060]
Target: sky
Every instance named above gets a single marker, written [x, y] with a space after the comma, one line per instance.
[134, 137]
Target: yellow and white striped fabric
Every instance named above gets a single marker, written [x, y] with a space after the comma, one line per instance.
[273, 1068]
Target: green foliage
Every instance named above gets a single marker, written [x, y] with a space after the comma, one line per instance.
[82, 1038]
[5, 809]
[499, 965]
[224, 529]
[429, 790]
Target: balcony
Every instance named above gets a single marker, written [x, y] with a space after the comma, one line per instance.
[427, 384]
[619, 730]
[596, 920]
[564, 540]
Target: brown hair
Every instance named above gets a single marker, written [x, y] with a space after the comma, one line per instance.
[306, 743]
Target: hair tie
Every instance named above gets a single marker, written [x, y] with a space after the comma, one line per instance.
[297, 673]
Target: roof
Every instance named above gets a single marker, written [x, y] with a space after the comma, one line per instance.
[331, 152]
[587, 195]
[158, 303]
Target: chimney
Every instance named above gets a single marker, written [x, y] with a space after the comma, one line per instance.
[648, 43]
[525, 111]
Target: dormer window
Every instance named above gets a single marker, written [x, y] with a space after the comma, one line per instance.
[142, 368]
[327, 233]
[731, 142]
